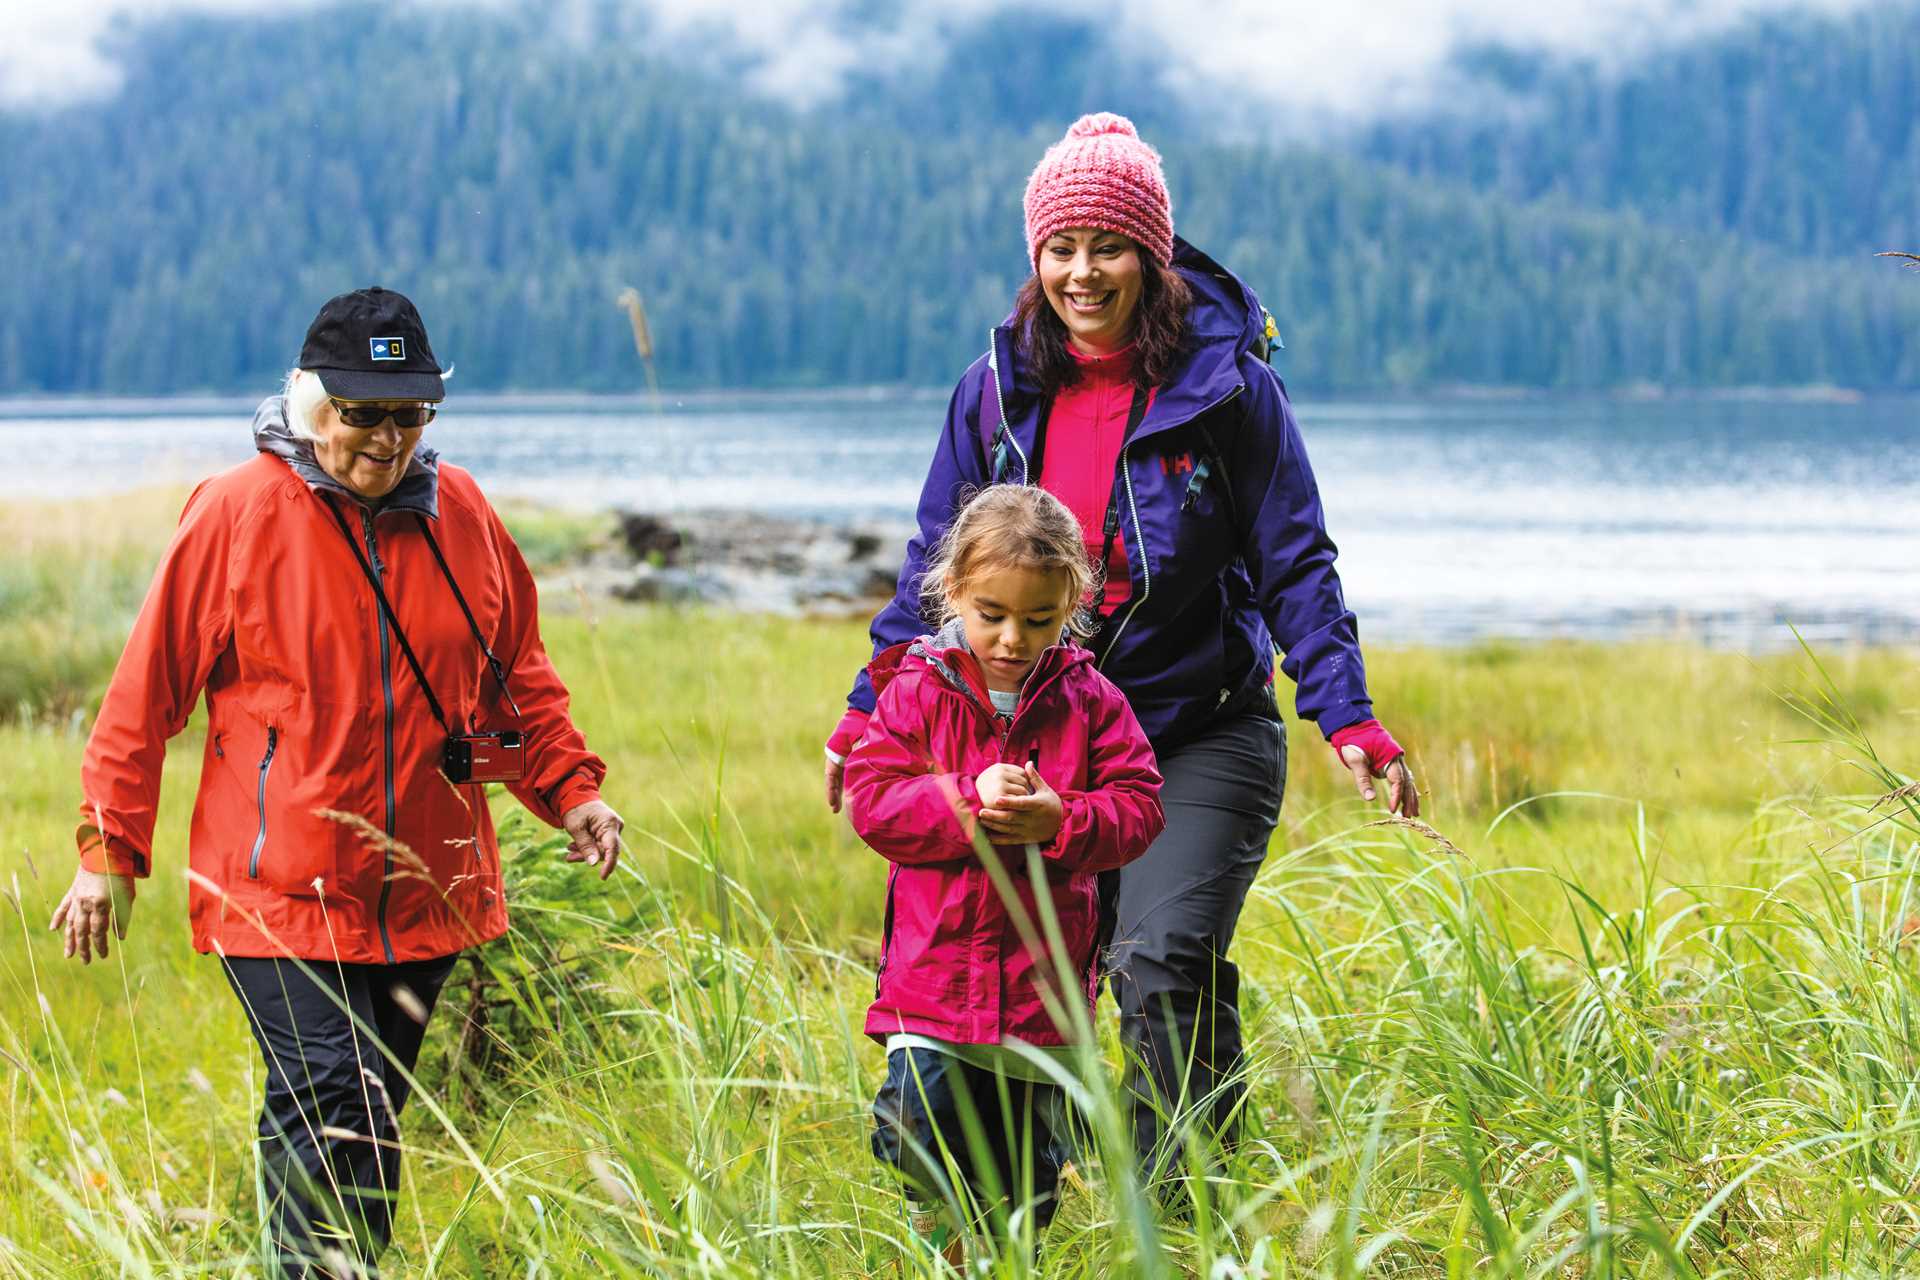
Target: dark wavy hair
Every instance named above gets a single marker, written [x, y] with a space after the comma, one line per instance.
[1159, 328]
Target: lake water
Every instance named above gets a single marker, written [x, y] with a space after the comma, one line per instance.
[1456, 519]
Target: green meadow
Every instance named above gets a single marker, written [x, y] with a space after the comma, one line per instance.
[1640, 1000]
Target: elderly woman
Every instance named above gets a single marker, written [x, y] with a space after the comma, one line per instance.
[1131, 382]
[366, 635]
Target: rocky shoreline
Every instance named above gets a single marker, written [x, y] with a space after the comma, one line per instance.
[795, 566]
[740, 560]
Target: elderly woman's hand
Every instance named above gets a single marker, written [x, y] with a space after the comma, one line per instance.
[93, 902]
[593, 830]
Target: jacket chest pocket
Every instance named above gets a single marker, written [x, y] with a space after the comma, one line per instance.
[1185, 509]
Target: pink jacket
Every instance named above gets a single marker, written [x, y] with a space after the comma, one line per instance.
[952, 962]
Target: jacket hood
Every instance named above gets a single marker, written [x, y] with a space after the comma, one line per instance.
[1225, 322]
[418, 490]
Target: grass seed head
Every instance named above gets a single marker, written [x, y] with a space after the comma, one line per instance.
[410, 1004]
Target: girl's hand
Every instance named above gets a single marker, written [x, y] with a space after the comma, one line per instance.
[1000, 782]
[93, 901]
[593, 832]
[1033, 818]
[1402, 798]
[840, 745]
[836, 779]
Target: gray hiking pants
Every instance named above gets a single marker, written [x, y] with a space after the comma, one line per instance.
[1174, 912]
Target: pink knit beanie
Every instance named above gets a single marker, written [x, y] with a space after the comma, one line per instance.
[1101, 175]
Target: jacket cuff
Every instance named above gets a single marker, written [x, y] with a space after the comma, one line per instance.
[969, 788]
[847, 734]
[967, 800]
[576, 790]
[1371, 737]
[1057, 847]
[106, 856]
[1346, 717]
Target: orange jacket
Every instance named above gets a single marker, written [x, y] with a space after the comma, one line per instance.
[311, 707]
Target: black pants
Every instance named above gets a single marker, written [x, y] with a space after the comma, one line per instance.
[1174, 915]
[921, 1118]
[329, 1142]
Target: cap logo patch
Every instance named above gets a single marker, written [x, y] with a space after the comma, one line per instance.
[388, 348]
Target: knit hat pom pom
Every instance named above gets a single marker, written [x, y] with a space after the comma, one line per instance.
[1092, 126]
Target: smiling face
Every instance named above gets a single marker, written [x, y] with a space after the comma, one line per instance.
[1093, 280]
[367, 460]
[1011, 615]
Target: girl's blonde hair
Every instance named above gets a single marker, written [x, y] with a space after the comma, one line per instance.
[1013, 526]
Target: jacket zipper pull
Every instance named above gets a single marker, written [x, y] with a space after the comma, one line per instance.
[1195, 486]
[373, 545]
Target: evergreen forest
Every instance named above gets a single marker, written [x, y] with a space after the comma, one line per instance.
[1704, 218]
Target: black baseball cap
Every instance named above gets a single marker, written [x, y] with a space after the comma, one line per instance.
[371, 345]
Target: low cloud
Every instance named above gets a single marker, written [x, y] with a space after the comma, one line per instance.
[1354, 60]
[53, 52]
[1369, 59]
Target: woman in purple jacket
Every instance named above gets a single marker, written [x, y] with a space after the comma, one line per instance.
[1131, 382]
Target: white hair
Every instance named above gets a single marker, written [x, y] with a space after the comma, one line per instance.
[304, 396]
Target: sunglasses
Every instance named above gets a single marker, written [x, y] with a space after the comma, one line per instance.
[363, 416]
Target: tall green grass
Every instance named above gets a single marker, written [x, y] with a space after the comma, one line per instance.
[1648, 1006]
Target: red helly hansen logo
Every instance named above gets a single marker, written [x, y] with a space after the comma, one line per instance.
[1176, 464]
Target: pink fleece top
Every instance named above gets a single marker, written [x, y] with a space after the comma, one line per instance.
[1085, 429]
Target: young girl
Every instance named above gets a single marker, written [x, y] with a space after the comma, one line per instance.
[994, 735]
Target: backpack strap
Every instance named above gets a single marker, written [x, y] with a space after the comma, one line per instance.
[997, 444]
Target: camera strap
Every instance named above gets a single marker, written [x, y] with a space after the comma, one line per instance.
[393, 620]
[493, 664]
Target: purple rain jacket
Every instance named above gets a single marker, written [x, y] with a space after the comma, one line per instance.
[1226, 549]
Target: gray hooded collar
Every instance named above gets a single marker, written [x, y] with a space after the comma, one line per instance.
[953, 635]
[930, 649]
[418, 490]
[950, 637]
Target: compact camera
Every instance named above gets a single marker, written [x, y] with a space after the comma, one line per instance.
[485, 757]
